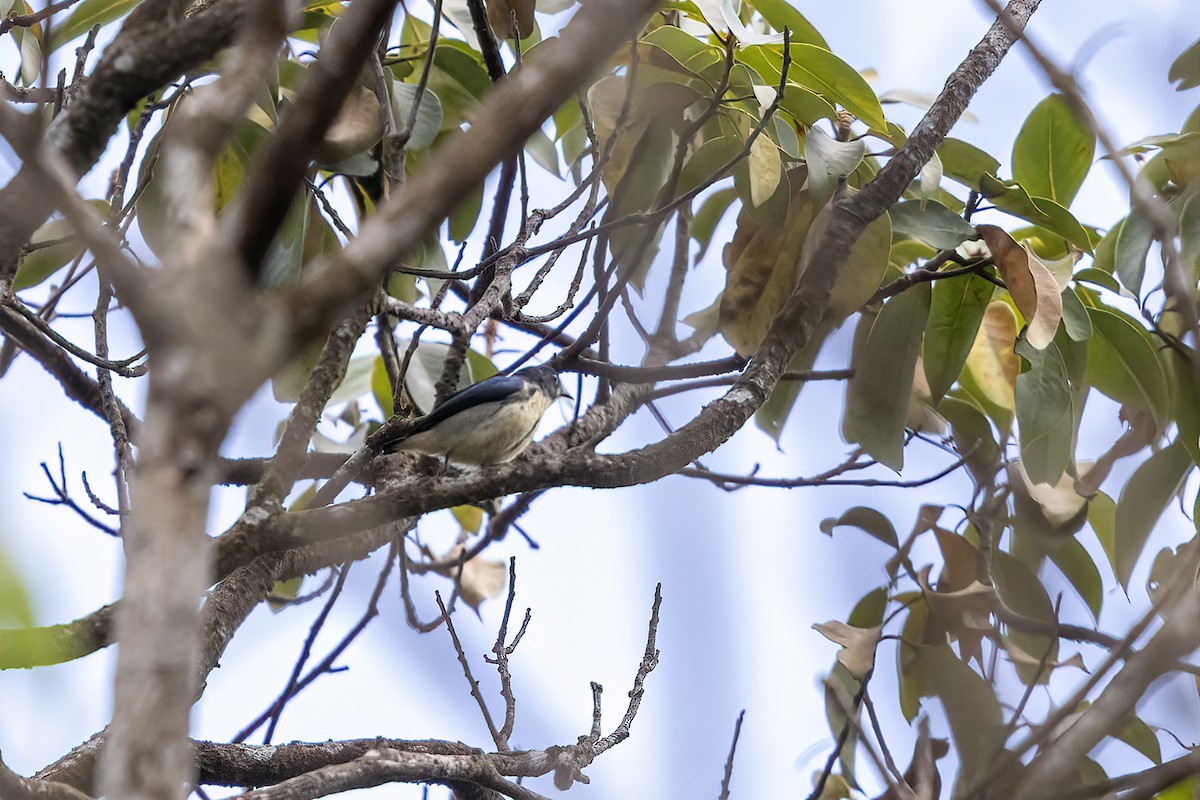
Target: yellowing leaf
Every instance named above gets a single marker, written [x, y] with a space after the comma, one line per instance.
[766, 170]
[470, 517]
[992, 363]
[858, 645]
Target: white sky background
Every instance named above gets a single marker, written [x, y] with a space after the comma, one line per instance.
[744, 574]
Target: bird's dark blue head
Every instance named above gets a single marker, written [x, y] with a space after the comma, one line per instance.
[545, 378]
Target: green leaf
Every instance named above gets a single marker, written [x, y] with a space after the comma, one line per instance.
[781, 14]
[481, 366]
[459, 80]
[1161, 141]
[869, 610]
[40, 264]
[707, 159]
[285, 256]
[821, 71]
[15, 608]
[1186, 68]
[87, 14]
[1020, 589]
[772, 414]
[1189, 235]
[1185, 399]
[1075, 317]
[633, 247]
[1141, 737]
[930, 222]
[381, 388]
[29, 44]
[765, 169]
[1123, 364]
[356, 382]
[1132, 246]
[692, 54]
[909, 674]
[965, 162]
[1053, 152]
[1013, 199]
[973, 437]
[543, 151]
[1143, 501]
[805, 106]
[707, 217]
[867, 519]
[972, 710]
[463, 218]
[1105, 257]
[1045, 416]
[1185, 789]
[859, 277]
[429, 114]
[1102, 516]
[839, 689]
[954, 315]
[878, 394]
[283, 593]
[1076, 564]
[1098, 277]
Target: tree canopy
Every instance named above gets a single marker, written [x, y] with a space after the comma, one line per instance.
[685, 208]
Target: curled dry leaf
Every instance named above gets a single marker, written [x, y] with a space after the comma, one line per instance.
[357, 127]
[1018, 656]
[1030, 283]
[964, 611]
[858, 645]
[504, 14]
[478, 580]
[1061, 504]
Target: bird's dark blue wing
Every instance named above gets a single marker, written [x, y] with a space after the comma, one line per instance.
[492, 390]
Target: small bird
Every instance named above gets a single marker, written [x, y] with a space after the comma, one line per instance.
[487, 423]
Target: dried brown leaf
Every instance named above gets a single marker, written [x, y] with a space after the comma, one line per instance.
[1029, 281]
[858, 645]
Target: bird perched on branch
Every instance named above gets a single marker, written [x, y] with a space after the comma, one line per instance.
[488, 423]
